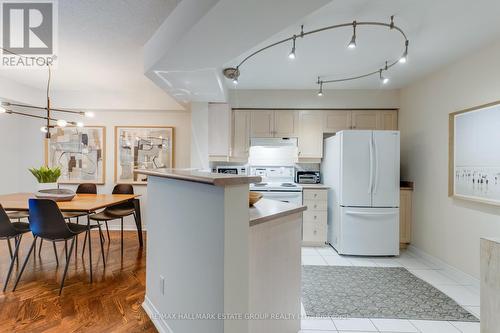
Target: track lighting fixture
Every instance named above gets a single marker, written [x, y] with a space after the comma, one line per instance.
[291, 55]
[320, 92]
[89, 114]
[352, 43]
[383, 79]
[61, 123]
[233, 73]
[79, 124]
[44, 129]
[404, 57]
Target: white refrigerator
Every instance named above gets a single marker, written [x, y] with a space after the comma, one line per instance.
[361, 169]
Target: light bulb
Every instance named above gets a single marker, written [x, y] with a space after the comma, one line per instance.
[89, 114]
[43, 129]
[385, 80]
[79, 124]
[62, 123]
[292, 55]
[235, 81]
[320, 93]
[403, 59]
[352, 43]
[2, 110]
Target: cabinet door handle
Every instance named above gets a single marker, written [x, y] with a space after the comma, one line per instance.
[315, 195]
[315, 232]
[315, 217]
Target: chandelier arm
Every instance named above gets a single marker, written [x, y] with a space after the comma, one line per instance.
[336, 26]
[43, 108]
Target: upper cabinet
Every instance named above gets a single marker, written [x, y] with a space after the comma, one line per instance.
[388, 120]
[241, 135]
[311, 134]
[262, 124]
[335, 121]
[365, 120]
[270, 123]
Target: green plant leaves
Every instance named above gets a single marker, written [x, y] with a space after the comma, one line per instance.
[45, 174]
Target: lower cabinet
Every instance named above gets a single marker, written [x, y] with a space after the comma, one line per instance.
[405, 217]
[315, 217]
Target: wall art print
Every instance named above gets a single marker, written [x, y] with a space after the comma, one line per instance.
[79, 152]
[142, 147]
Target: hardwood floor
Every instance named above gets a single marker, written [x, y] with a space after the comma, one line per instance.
[112, 303]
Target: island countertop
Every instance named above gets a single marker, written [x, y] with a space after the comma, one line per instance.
[217, 179]
[266, 210]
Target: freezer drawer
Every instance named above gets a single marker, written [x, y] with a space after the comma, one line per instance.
[369, 231]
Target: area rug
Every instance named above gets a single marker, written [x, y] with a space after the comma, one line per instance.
[375, 292]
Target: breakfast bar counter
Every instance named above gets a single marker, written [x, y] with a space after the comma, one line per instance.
[216, 265]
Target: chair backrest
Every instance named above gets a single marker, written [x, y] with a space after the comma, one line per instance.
[87, 188]
[123, 189]
[46, 220]
[6, 228]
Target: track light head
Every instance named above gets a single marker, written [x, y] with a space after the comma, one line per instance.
[235, 81]
[291, 55]
[352, 43]
[2, 109]
[383, 79]
[62, 123]
[232, 73]
[320, 92]
[404, 57]
[44, 129]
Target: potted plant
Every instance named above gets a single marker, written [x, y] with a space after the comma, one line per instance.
[46, 177]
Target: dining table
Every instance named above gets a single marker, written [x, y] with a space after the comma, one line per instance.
[88, 203]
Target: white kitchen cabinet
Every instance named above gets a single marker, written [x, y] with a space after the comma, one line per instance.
[314, 227]
[240, 135]
[219, 131]
[337, 120]
[311, 134]
[388, 120]
[262, 124]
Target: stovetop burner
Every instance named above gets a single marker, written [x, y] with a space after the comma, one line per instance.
[288, 185]
[260, 184]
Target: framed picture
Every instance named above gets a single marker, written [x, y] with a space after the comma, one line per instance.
[142, 147]
[474, 157]
[79, 152]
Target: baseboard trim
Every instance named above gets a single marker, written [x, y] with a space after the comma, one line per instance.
[451, 271]
[155, 316]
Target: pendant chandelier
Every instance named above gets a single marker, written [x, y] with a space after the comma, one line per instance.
[50, 122]
[233, 73]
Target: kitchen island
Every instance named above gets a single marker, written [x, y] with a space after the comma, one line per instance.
[216, 265]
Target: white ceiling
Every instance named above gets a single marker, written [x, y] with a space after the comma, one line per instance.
[100, 48]
[439, 33]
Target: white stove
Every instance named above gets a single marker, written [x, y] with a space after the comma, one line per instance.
[277, 183]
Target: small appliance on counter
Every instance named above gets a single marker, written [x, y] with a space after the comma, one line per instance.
[232, 169]
[308, 177]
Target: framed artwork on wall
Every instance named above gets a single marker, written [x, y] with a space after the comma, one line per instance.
[474, 154]
[79, 152]
[142, 147]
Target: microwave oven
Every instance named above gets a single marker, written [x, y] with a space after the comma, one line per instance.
[232, 169]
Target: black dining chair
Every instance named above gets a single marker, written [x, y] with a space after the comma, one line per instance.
[86, 188]
[9, 230]
[47, 222]
[119, 211]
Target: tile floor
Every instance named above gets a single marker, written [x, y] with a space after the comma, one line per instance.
[463, 293]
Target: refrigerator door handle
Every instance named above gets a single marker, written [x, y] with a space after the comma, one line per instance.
[370, 186]
[369, 214]
[375, 177]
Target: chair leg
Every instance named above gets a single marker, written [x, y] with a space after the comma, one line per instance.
[33, 244]
[84, 243]
[40, 247]
[18, 239]
[10, 248]
[121, 227]
[90, 247]
[66, 249]
[68, 259]
[12, 260]
[102, 244]
[107, 230]
[34, 249]
[55, 253]
[76, 242]
[100, 233]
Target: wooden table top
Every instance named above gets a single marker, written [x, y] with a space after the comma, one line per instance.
[81, 202]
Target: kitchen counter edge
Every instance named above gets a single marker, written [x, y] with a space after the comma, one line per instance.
[266, 210]
[209, 178]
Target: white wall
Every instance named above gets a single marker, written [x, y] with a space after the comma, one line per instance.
[199, 135]
[446, 228]
[22, 143]
[309, 99]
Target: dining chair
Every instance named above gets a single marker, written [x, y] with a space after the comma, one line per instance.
[86, 188]
[119, 211]
[9, 230]
[47, 222]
